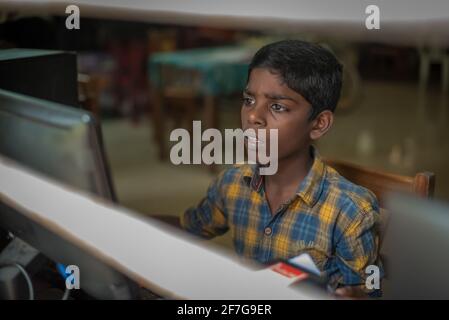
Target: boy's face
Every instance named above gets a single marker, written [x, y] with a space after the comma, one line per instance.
[270, 104]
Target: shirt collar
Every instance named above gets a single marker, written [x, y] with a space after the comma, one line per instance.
[309, 189]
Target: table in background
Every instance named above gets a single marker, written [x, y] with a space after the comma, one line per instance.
[180, 78]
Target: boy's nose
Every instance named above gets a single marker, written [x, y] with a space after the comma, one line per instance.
[256, 117]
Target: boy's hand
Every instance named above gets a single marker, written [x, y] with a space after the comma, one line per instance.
[351, 292]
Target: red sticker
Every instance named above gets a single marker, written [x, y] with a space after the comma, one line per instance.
[289, 271]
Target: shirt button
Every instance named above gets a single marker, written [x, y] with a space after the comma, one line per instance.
[268, 231]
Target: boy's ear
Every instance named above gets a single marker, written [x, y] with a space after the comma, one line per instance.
[321, 124]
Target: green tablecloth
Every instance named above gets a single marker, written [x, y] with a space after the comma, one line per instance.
[223, 70]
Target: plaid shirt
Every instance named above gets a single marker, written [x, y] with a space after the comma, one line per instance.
[330, 218]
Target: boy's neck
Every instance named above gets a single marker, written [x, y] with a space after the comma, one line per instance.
[291, 171]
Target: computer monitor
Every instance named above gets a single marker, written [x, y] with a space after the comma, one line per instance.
[416, 249]
[61, 142]
[65, 144]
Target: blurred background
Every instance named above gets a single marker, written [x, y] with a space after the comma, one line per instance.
[143, 75]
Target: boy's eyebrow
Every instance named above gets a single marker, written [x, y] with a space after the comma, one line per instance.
[272, 96]
[246, 91]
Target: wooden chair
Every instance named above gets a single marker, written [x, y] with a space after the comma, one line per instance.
[382, 183]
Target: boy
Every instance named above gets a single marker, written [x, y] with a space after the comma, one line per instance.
[306, 206]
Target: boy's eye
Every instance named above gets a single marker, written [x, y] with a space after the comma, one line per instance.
[278, 108]
[248, 101]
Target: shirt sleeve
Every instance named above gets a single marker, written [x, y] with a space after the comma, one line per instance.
[209, 218]
[357, 248]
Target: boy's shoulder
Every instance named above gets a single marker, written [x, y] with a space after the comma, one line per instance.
[236, 173]
[352, 196]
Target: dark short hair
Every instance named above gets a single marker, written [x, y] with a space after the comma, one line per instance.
[307, 68]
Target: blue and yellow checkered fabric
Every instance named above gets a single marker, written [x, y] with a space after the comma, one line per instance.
[330, 218]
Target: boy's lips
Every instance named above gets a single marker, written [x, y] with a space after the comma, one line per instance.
[252, 139]
[253, 142]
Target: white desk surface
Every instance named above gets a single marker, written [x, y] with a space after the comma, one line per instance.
[160, 259]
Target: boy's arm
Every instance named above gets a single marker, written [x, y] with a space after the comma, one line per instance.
[356, 249]
[208, 219]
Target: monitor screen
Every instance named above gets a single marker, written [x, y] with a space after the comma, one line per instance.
[65, 144]
[61, 142]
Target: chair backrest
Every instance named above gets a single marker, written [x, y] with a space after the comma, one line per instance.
[382, 183]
